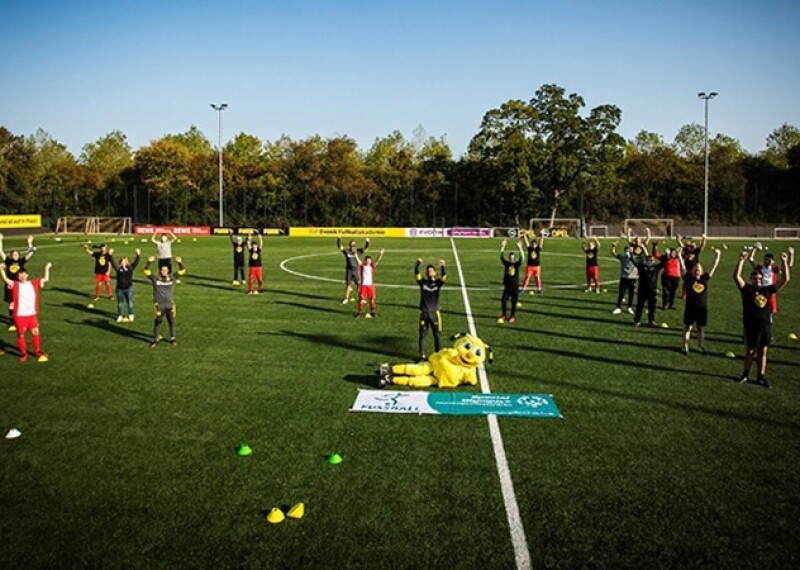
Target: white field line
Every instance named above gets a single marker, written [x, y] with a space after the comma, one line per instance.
[522, 554]
[285, 262]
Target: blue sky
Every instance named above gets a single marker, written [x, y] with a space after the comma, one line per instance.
[80, 69]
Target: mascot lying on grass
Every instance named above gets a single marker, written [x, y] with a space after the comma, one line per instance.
[448, 368]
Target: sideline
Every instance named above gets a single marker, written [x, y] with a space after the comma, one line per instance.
[522, 554]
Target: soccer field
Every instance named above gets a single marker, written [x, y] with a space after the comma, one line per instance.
[127, 455]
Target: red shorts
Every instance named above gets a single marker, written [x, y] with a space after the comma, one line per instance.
[773, 304]
[592, 272]
[367, 292]
[24, 324]
[532, 271]
[102, 278]
[255, 273]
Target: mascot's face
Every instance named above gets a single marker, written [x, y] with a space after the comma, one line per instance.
[471, 351]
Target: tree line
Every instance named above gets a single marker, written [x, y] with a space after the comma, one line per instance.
[547, 156]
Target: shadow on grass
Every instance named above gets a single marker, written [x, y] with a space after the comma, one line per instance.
[108, 326]
[380, 345]
[658, 367]
[677, 406]
[95, 311]
[602, 340]
[207, 282]
[303, 295]
[196, 277]
[370, 380]
[528, 310]
[309, 307]
[74, 292]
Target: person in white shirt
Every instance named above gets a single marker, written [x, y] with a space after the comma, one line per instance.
[26, 309]
[367, 288]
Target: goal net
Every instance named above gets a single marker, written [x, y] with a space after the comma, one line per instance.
[659, 227]
[555, 227]
[93, 225]
[786, 233]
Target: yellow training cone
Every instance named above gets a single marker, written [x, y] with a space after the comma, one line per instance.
[792, 336]
[276, 516]
[297, 511]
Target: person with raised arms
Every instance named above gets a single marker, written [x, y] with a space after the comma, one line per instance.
[163, 298]
[13, 263]
[25, 293]
[696, 307]
[430, 314]
[352, 271]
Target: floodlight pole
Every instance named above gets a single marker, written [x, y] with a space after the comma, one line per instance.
[219, 108]
[706, 97]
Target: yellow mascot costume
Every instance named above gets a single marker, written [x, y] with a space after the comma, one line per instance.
[448, 368]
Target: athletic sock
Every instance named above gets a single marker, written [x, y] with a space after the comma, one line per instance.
[37, 344]
[22, 345]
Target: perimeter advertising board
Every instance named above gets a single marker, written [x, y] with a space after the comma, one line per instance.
[191, 231]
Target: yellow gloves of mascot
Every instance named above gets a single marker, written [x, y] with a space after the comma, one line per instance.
[448, 368]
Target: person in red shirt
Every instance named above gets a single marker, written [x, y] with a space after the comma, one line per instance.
[255, 252]
[671, 277]
[26, 309]
[366, 291]
[13, 262]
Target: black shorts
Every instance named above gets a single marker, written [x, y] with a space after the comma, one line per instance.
[352, 276]
[695, 316]
[758, 335]
[428, 319]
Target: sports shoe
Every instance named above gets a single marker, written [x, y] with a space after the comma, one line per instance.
[512, 319]
[637, 324]
[23, 357]
[119, 318]
[42, 357]
[743, 379]
[685, 350]
[249, 292]
[630, 310]
[701, 350]
[95, 299]
[372, 315]
[597, 291]
[616, 311]
[173, 341]
[130, 318]
[762, 381]
[359, 314]
[501, 320]
[539, 292]
[154, 344]
[344, 301]
[110, 298]
[422, 358]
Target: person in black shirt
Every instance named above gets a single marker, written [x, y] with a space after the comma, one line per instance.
[691, 251]
[124, 271]
[648, 268]
[696, 307]
[430, 316]
[102, 269]
[533, 267]
[255, 255]
[352, 268]
[510, 282]
[592, 249]
[14, 262]
[756, 315]
[238, 259]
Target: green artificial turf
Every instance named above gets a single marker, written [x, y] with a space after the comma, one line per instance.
[128, 454]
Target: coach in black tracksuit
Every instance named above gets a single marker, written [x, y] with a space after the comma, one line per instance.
[430, 316]
[648, 288]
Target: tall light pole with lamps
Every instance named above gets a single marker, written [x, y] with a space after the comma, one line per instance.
[219, 108]
[706, 97]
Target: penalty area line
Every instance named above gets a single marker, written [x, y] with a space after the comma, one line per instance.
[522, 554]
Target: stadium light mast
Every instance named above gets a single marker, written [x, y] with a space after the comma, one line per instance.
[706, 97]
[219, 108]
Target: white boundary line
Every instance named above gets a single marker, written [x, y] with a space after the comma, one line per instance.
[283, 265]
[522, 554]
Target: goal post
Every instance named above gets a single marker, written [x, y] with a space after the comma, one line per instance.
[659, 227]
[555, 227]
[91, 225]
[786, 233]
[597, 231]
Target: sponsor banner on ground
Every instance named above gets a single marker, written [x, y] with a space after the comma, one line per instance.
[177, 230]
[456, 404]
[20, 221]
[341, 232]
[468, 232]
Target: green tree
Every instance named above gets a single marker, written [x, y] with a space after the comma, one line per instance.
[779, 143]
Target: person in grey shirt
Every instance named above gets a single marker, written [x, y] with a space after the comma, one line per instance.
[163, 297]
[164, 243]
[628, 276]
